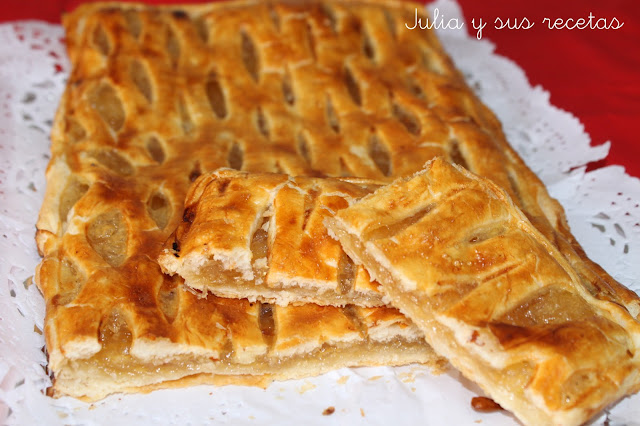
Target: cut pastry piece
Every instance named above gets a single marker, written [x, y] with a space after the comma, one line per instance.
[493, 295]
[188, 340]
[261, 236]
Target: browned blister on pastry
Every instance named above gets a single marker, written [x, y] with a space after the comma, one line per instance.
[261, 236]
[493, 295]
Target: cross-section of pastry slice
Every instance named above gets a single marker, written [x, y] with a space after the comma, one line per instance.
[261, 236]
[170, 337]
[493, 295]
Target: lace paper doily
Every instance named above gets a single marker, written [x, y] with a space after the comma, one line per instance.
[602, 207]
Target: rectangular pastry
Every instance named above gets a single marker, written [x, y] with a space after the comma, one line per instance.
[493, 295]
[261, 236]
[159, 95]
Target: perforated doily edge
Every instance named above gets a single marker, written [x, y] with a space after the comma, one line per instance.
[30, 406]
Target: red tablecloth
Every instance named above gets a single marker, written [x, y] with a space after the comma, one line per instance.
[594, 74]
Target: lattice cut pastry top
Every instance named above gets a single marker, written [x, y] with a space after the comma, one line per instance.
[493, 295]
[261, 236]
[329, 88]
[306, 88]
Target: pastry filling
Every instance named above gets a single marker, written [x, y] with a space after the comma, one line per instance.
[113, 366]
[224, 282]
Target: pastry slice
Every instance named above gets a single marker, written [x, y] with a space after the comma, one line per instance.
[176, 338]
[493, 295]
[261, 236]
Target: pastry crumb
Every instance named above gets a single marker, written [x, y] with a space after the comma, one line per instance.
[407, 377]
[307, 386]
[342, 380]
[484, 404]
[329, 411]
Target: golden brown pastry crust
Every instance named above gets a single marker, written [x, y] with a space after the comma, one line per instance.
[160, 95]
[261, 236]
[146, 110]
[306, 88]
[493, 295]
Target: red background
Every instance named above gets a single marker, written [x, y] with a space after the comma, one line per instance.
[594, 74]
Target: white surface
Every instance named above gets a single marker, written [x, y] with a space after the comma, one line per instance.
[602, 207]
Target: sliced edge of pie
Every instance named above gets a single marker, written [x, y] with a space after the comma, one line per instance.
[493, 295]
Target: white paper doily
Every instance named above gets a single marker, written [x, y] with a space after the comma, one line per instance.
[602, 207]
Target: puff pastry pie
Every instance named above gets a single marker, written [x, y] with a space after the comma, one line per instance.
[159, 95]
[493, 295]
[261, 236]
[156, 97]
